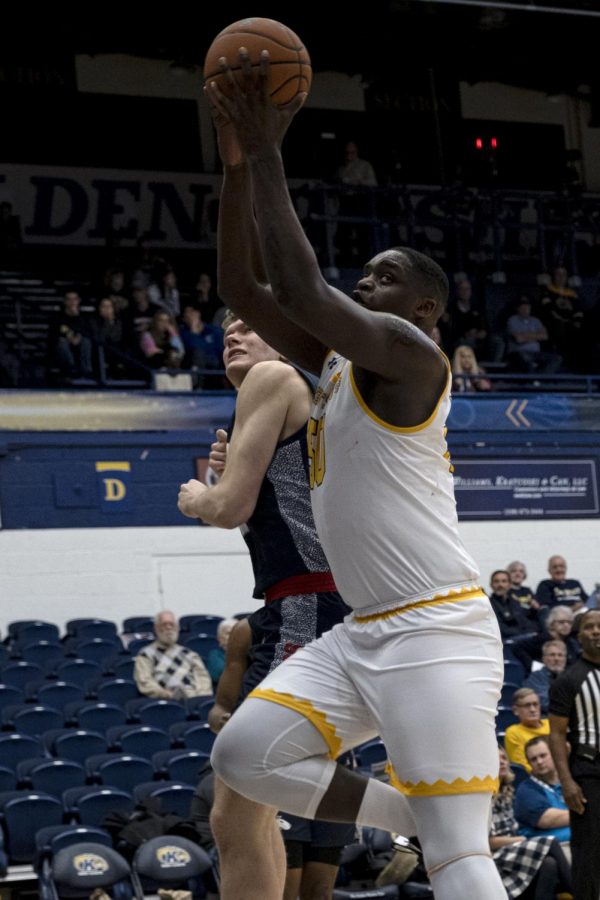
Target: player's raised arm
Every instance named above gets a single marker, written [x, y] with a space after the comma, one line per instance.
[374, 335]
[241, 273]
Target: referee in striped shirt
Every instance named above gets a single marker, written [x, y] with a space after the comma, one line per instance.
[574, 714]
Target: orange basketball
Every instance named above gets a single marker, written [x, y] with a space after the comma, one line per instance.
[291, 72]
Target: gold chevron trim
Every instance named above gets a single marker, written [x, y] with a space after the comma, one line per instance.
[306, 709]
[475, 785]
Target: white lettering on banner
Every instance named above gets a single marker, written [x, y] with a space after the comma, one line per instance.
[59, 205]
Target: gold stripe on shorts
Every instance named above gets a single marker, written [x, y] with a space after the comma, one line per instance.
[451, 597]
[441, 788]
[306, 709]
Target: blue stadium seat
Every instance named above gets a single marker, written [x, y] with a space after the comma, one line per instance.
[371, 754]
[197, 708]
[170, 862]
[161, 713]
[8, 779]
[175, 797]
[35, 630]
[15, 747]
[100, 716]
[505, 717]
[19, 673]
[74, 626]
[136, 645]
[34, 720]
[514, 671]
[201, 644]
[186, 766]
[89, 805]
[506, 694]
[17, 813]
[124, 770]
[78, 671]
[97, 650]
[200, 624]
[105, 871]
[520, 773]
[53, 776]
[3, 655]
[9, 695]
[137, 624]
[121, 667]
[193, 736]
[59, 693]
[99, 628]
[17, 626]
[117, 690]
[45, 654]
[139, 740]
[78, 744]
[50, 840]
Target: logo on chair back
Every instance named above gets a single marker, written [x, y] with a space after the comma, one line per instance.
[172, 857]
[89, 864]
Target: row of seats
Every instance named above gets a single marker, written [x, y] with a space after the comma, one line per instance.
[28, 630]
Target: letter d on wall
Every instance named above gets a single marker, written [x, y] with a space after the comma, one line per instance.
[114, 483]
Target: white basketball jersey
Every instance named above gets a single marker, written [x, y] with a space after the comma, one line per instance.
[383, 499]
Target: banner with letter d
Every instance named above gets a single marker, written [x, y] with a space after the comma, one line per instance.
[114, 480]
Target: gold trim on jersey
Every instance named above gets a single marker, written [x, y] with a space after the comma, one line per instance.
[306, 709]
[441, 788]
[410, 429]
[453, 596]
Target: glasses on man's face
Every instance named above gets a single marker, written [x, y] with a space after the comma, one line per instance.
[529, 703]
[562, 621]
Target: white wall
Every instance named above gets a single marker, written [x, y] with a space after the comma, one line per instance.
[113, 573]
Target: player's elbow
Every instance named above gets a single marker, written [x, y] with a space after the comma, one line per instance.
[233, 515]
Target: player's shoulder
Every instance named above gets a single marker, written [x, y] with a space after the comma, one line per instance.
[271, 374]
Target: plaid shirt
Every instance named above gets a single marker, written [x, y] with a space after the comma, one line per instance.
[161, 670]
[516, 863]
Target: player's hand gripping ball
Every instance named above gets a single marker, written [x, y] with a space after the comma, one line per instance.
[291, 72]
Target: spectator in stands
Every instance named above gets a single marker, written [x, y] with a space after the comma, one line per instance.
[354, 170]
[526, 333]
[558, 589]
[69, 344]
[203, 343]
[106, 330]
[522, 593]
[353, 238]
[467, 323]
[207, 300]
[554, 658]
[167, 670]
[511, 617]
[215, 662]
[114, 286]
[535, 866]
[468, 375]
[161, 344]
[164, 291]
[540, 807]
[526, 707]
[138, 317]
[563, 317]
[557, 626]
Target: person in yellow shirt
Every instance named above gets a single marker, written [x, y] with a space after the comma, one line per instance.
[526, 707]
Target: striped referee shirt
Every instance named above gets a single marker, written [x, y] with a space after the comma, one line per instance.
[575, 695]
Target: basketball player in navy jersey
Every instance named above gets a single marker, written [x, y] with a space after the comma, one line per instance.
[419, 659]
[264, 488]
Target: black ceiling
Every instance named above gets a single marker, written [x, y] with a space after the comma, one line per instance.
[512, 41]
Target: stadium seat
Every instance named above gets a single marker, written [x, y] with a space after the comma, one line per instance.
[15, 747]
[372, 754]
[53, 776]
[90, 804]
[139, 740]
[74, 626]
[520, 773]
[78, 671]
[59, 693]
[161, 713]
[117, 690]
[45, 654]
[99, 628]
[79, 870]
[186, 766]
[124, 770]
[34, 631]
[201, 644]
[34, 720]
[9, 695]
[170, 862]
[137, 624]
[49, 840]
[197, 708]
[8, 779]
[193, 736]
[14, 628]
[136, 645]
[121, 667]
[19, 673]
[505, 717]
[17, 813]
[175, 797]
[514, 672]
[97, 650]
[506, 694]
[78, 744]
[100, 716]
[200, 624]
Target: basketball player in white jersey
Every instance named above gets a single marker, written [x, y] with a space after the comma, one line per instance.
[419, 660]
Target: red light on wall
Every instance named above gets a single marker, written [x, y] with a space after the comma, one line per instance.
[478, 144]
[493, 143]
